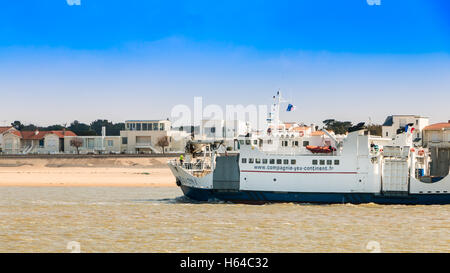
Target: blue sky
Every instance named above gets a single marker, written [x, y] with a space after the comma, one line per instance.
[136, 59]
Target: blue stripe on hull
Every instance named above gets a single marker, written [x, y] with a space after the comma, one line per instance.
[322, 198]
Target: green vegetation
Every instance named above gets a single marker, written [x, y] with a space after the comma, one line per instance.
[80, 129]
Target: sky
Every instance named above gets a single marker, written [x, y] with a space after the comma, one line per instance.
[65, 60]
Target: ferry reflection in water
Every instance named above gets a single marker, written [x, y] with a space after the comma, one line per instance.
[39, 219]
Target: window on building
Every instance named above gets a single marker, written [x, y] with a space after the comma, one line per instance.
[269, 141]
[295, 143]
[329, 162]
[161, 126]
[257, 160]
[387, 133]
[305, 143]
[244, 160]
[124, 140]
[247, 142]
[278, 161]
[336, 162]
[293, 161]
[213, 130]
[417, 122]
[264, 161]
[250, 160]
[110, 143]
[322, 162]
[241, 142]
[255, 142]
[286, 161]
[314, 162]
[155, 126]
[144, 127]
[128, 126]
[41, 143]
[272, 161]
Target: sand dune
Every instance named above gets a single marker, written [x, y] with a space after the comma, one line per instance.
[129, 171]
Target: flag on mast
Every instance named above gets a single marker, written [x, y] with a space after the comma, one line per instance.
[290, 108]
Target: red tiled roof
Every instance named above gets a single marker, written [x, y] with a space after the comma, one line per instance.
[4, 129]
[437, 126]
[317, 133]
[42, 134]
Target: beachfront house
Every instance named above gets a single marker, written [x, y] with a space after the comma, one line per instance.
[142, 136]
[4, 130]
[395, 122]
[35, 142]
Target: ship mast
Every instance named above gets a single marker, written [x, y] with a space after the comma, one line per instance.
[273, 120]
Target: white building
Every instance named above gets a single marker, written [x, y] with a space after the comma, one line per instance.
[93, 144]
[35, 142]
[4, 130]
[142, 136]
[395, 122]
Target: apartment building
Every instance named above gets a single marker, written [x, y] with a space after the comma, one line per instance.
[142, 136]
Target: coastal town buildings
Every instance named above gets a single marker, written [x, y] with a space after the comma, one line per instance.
[395, 122]
[34, 142]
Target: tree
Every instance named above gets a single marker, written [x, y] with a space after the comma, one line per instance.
[81, 129]
[111, 128]
[163, 142]
[18, 125]
[338, 127]
[375, 129]
[77, 143]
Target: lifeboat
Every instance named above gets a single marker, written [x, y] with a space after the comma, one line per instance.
[320, 149]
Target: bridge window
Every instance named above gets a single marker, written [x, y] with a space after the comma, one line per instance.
[264, 161]
[285, 161]
[314, 162]
[293, 161]
[336, 162]
[250, 160]
[322, 162]
[329, 162]
[272, 161]
[278, 161]
[244, 160]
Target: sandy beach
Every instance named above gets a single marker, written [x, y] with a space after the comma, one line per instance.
[96, 172]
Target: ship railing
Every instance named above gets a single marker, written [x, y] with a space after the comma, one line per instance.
[198, 166]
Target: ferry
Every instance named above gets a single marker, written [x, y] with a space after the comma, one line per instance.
[358, 168]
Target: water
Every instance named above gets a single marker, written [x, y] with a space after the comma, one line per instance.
[41, 219]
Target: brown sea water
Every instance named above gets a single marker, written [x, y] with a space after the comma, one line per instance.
[47, 219]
